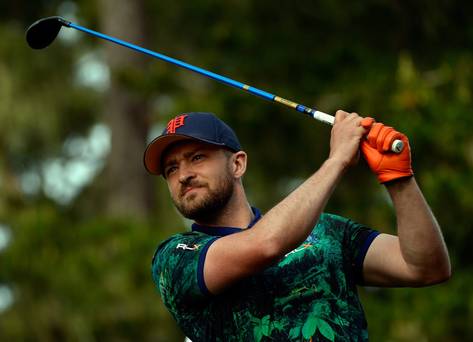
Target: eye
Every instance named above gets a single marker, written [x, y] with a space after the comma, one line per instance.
[198, 157]
[170, 170]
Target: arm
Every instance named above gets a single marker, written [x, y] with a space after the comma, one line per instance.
[418, 255]
[289, 223]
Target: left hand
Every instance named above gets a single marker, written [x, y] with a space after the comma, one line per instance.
[376, 149]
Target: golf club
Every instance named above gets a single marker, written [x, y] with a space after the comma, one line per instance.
[43, 32]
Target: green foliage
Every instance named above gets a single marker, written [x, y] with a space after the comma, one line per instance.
[439, 313]
[82, 280]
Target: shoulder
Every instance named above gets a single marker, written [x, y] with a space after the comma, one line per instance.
[340, 228]
[331, 224]
[333, 219]
[176, 239]
[175, 267]
[189, 241]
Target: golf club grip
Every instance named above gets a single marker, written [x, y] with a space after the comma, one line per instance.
[320, 116]
[397, 145]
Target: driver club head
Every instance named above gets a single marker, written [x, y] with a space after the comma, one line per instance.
[43, 32]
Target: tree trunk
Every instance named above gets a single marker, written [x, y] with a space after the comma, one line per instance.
[129, 188]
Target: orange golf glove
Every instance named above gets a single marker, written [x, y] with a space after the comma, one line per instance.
[376, 150]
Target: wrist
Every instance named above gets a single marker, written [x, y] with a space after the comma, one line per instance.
[399, 183]
[337, 164]
[393, 175]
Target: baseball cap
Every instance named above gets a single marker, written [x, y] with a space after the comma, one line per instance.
[200, 126]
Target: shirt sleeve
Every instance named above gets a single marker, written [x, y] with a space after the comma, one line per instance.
[177, 269]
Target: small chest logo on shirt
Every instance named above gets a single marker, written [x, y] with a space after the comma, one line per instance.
[301, 248]
[185, 247]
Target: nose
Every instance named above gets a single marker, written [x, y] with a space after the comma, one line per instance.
[185, 174]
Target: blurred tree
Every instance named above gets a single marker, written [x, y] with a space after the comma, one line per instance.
[129, 191]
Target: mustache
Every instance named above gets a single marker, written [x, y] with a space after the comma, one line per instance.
[190, 184]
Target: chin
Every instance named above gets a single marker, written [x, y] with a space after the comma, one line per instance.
[192, 210]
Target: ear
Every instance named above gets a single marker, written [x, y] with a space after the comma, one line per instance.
[239, 160]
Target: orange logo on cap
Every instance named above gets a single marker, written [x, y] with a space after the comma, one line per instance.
[177, 122]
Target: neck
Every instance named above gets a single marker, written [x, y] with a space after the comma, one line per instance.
[237, 213]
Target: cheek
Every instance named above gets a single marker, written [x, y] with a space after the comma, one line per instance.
[220, 178]
[210, 175]
[172, 188]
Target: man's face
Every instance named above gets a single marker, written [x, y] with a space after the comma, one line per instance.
[199, 178]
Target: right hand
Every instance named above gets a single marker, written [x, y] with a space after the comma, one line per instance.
[347, 134]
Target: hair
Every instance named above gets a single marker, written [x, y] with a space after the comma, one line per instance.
[228, 153]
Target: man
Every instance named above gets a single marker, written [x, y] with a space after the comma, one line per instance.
[291, 274]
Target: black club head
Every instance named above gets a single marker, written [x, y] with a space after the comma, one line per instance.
[43, 32]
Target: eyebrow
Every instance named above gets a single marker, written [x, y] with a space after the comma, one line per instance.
[173, 160]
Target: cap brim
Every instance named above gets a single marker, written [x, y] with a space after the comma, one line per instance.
[155, 149]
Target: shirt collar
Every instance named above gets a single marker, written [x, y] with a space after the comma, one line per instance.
[222, 231]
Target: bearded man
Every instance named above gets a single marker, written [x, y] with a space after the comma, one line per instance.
[292, 274]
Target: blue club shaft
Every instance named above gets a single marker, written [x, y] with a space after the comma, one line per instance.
[329, 119]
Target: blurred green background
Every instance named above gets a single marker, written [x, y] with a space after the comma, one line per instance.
[80, 218]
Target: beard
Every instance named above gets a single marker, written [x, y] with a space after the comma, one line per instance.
[209, 205]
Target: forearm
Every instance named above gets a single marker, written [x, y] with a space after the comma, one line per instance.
[289, 223]
[420, 238]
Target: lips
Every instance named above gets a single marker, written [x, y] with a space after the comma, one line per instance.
[187, 189]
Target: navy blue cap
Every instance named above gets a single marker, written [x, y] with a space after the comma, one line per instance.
[205, 127]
